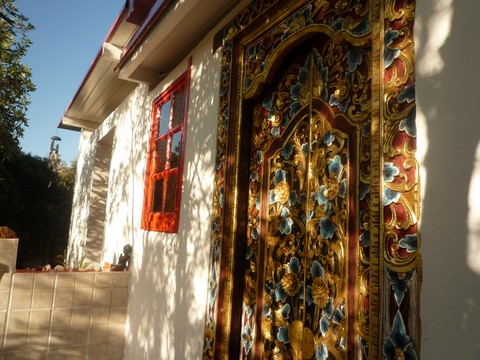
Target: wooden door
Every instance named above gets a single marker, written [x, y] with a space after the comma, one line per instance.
[315, 243]
[301, 268]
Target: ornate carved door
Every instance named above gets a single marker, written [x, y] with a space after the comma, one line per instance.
[301, 269]
[314, 234]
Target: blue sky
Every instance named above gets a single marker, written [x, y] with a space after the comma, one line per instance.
[68, 35]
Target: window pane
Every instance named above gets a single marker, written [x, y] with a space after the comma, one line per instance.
[160, 155]
[158, 196]
[175, 154]
[178, 108]
[171, 194]
[165, 117]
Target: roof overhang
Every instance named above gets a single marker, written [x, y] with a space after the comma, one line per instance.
[145, 53]
[168, 35]
[101, 90]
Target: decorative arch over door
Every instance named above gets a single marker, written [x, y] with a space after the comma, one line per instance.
[315, 233]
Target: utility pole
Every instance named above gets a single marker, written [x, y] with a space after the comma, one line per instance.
[53, 155]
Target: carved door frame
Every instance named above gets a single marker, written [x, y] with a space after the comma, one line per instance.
[390, 221]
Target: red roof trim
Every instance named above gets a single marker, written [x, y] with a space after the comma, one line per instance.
[110, 33]
[156, 11]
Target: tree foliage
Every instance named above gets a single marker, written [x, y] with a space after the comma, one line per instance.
[15, 77]
[36, 202]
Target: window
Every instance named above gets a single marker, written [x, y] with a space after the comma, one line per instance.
[163, 182]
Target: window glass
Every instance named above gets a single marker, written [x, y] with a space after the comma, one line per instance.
[158, 196]
[175, 152]
[165, 117]
[178, 107]
[160, 155]
[171, 194]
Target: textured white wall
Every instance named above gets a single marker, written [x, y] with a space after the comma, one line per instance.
[78, 223]
[447, 99]
[169, 272]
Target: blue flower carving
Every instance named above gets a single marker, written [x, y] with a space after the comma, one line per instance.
[366, 128]
[254, 233]
[212, 284]
[340, 97]
[390, 196]
[327, 228]
[267, 312]
[268, 102]
[335, 166]
[206, 344]
[328, 138]
[408, 94]
[338, 314]
[327, 314]
[252, 51]
[321, 197]
[354, 58]
[304, 148]
[409, 242]
[285, 226]
[280, 175]
[331, 315]
[398, 345]
[280, 293]
[275, 131]
[259, 157]
[390, 170]
[292, 200]
[248, 253]
[215, 226]
[321, 353]
[247, 338]
[365, 238]
[342, 190]
[287, 151]
[285, 311]
[282, 334]
[408, 124]
[399, 283]
[294, 265]
[308, 292]
[302, 198]
[221, 197]
[317, 269]
[324, 325]
[364, 190]
[362, 27]
[390, 54]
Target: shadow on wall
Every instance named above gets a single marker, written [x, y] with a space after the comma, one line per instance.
[81, 200]
[447, 89]
[170, 273]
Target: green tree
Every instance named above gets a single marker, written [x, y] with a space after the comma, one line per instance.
[15, 77]
[36, 202]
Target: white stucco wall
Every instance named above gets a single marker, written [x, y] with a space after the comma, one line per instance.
[447, 115]
[169, 272]
[83, 198]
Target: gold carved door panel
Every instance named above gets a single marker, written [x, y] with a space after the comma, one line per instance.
[301, 266]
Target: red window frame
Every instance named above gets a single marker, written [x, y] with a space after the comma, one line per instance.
[164, 174]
